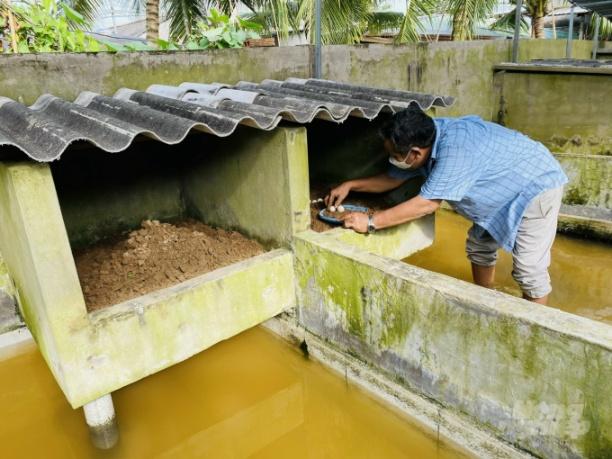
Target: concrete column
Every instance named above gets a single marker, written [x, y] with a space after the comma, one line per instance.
[102, 423]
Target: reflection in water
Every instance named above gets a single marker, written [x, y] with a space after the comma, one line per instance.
[580, 271]
[251, 396]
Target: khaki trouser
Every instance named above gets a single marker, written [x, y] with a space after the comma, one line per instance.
[531, 253]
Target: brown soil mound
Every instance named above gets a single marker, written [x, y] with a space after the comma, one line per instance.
[155, 256]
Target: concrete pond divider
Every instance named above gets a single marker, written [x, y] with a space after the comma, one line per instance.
[537, 377]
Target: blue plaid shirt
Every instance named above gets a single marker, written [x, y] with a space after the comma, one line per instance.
[487, 173]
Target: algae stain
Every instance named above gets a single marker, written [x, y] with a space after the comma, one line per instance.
[575, 196]
[597, 442]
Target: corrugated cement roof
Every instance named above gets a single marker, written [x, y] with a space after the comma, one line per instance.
[44, 130]
[601, 7]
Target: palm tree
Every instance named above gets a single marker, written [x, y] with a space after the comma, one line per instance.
[534, 9]
[342, 21]
[467, 15]
[152, 20]
[87, 8]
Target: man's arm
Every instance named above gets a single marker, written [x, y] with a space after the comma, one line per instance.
[412, 209]
[375, 184]
[409, 210]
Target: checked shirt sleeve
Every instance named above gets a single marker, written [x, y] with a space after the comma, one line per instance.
[456, 167]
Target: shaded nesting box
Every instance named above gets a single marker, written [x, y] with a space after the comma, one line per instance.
[353, 150]
[240, 183]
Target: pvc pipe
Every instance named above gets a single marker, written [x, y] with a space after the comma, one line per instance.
[101, 420]
[595, 39]
[568, 46]
[517, 30]
[317, 60]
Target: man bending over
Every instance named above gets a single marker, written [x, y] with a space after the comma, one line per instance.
[508, 185]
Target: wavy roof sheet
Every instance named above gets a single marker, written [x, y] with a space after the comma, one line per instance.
[44, 130]
[601, 7]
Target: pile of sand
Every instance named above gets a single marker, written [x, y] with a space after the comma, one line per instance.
[155, 256]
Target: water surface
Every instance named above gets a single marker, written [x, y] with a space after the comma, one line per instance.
[581, 270]
[251, 396]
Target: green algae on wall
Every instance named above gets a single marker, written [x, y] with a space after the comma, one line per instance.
[551, 49]
[460, 69]
[5, 280]
[566, 112]
[529, 373]
[25, 77]
[590, 177]
[463, 70]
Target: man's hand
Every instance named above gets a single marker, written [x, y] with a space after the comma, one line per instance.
[357, 221]
[338, 194]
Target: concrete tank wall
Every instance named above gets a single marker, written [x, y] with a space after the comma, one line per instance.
[569, 113]
[536, 376]
[460, 69]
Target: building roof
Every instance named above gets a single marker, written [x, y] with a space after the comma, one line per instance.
[601, 7]
[44, 130]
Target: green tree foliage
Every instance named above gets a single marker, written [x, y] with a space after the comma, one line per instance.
[342, 21]
[467, 15]
[534, 9]
[219, 31]
[47, 26]
[605, 27]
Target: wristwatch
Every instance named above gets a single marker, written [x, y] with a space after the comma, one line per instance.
[371, 227]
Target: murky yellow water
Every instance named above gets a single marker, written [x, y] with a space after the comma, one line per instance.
[581, 271]
[252, 396]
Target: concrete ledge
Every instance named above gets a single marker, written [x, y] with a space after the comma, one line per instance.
[536, 376]
[398, 242]
[584, 224]
[131, 340]
[540, 68]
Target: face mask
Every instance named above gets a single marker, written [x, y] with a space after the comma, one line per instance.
[401, 164]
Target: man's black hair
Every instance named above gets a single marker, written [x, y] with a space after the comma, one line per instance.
[409, 128]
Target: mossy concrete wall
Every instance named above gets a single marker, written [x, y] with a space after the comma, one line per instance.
[569, 113]
[590, 179]
[26, 77]
[94, 354]
[536, 376]
[460, 69]
[257, 183]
